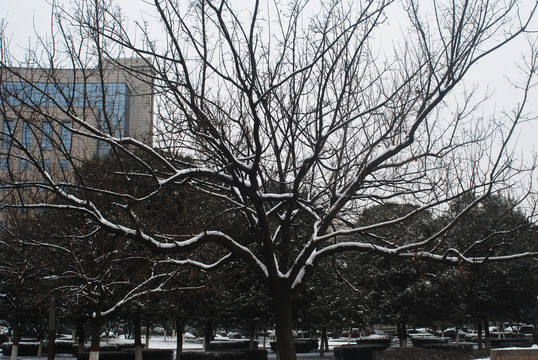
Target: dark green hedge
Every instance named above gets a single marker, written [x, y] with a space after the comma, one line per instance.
[125, 354]
[231, 345]
[62, 347]
[30, 348]
[25, 349]
[509, 342]
[301, 346]
[314, 342]
[115, 347]
[380, 341]
[462, 346]
[427, 340]
[357, 352]
[224, 355]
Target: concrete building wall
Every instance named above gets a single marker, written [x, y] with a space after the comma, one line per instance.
[116, 98]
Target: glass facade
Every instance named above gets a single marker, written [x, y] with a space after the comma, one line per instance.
[25, 164]
[66, 135]
[46, 138]
[64, 165]
[111, 101]
[7, 129]
[46, 165]
[27, 136]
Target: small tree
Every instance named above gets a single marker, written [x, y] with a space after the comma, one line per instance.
[25, 279]
[495, 292]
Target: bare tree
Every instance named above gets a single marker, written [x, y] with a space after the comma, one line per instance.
[284, 113]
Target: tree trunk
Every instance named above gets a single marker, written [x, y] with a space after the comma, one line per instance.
[488, 335]
[14, 351]
[402, 333]
[283, 321]
[480, 340]
[80, 334]
[40, 348]
[16, 337]
[208, 334]
[535, 332]
[180, 329]
[252, 334]
[148, 334]
[137, 336]
[52, 334]
[96, 337]
[323, 341]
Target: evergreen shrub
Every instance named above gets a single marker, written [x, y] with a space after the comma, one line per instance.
[258, 354]
[148, 354]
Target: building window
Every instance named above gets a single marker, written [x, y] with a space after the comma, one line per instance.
[66, 135]
[27, 136]
[4, 164]
[7, 131]
[46, 140]
[64, 165]
[41, 185]
[22, 206]
[46, 164]
[25, 164]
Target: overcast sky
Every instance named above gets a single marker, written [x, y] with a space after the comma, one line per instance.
[25, 16]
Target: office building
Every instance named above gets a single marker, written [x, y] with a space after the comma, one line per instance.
[52, 119]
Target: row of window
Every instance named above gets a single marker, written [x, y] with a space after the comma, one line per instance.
[47, 133]
[112, 99]
[27, 165]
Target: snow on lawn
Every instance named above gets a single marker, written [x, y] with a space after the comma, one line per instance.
[159, 342]
[191, 343]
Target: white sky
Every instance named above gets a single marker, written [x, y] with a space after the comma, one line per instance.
[23, 16]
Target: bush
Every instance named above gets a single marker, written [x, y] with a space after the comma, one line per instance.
[462, 346]
[116, 347]
[148, 354]
[428, 354]
[359, 351]
[314, 342]
[65, 347]
[231, 345]
[509, 342]
[25, 349]
[422, 341]
[30, 348]
[382, 341]
[301, 346]
[224, 355]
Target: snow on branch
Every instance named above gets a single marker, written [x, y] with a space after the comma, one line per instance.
[199, 264]
[142, 289]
